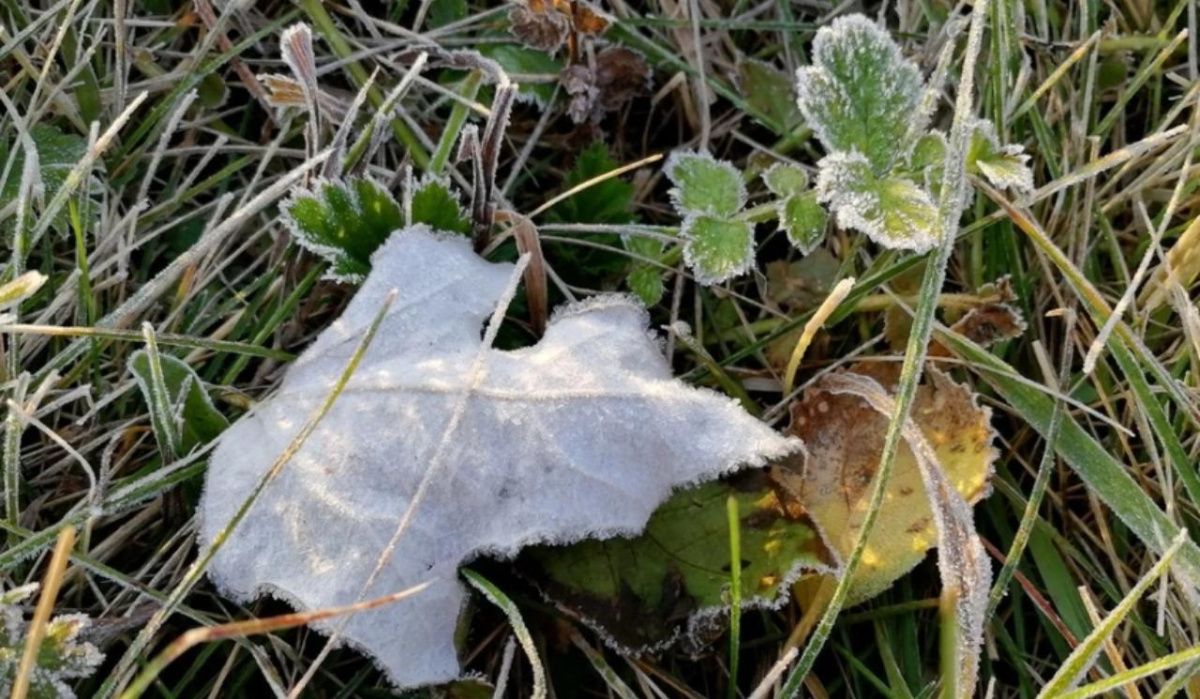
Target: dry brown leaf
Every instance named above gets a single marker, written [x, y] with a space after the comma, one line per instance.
[985, 325]
[539, 25]
[615, 77]
[547, 24]
[844, 437]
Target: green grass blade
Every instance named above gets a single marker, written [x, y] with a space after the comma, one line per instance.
[1107, 478]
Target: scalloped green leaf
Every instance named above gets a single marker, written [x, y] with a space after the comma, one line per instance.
[717, 248]
[645, 280]
[803, 219]
[929, 151]
[891, 210]
[647, 591]
[784, 180]
[705, 185]
[1005, 167]
[343, 222]
[861, 94]
[436, 205]
[64, 653]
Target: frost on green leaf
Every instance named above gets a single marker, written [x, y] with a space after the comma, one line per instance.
[437, 206]
[343, 222]
[57, 154]
[803, 219]
[717, 248]
[1005, 167]
[705, 185]
[800, 215]
[861, 93]
[929, 151]
[644, 279]
[784, 180]
[195, 420]
[893, 211]
[62, 655]
[672, 580]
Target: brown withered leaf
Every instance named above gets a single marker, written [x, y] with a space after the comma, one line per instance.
[586, 20]
[548, 24]
[844, 437]
[540, 25]
[985, 325]
[615, 77]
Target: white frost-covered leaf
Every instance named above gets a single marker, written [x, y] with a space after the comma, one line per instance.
[1005, 167]
[892, 210]
[581, 435]
[861, 93]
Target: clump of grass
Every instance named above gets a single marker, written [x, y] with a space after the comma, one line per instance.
[163, 164]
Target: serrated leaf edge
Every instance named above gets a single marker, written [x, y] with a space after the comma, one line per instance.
[689, 256]
[329, 253]
[675, 195]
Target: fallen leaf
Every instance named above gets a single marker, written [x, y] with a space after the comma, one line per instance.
[539, 25]
[985, 325]
[963, 565]
[606, 85]
[844, 436]
[643, 594]
[441, 449]
[802, 285]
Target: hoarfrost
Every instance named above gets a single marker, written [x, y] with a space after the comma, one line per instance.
[581, 435]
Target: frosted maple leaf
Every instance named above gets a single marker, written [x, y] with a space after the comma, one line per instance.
[581, 435]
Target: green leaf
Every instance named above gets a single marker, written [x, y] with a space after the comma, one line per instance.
[58, 153]
[645, 280]
[647, 590]
[609, 201]
[437, 206]
[768, 91]
[717, 248]
[61, 657]
[803, 218]
[343, 222]
[1005, 167]
[784, 180]
[443, 12]
[861, 94]
[523, 61]
[929, 151]
[705, 185]
[197, 420]
[892, 210]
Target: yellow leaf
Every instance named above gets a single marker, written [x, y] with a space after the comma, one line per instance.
[844, 436]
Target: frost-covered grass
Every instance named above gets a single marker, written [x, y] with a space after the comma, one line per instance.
[154, 267]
